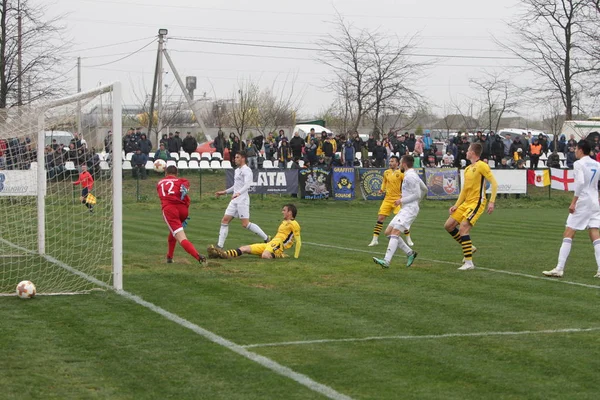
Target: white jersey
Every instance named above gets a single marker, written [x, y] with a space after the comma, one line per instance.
[413, 190]
[587, 172]
[242, 182]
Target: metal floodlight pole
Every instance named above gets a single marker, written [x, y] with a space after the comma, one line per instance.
[159, 78]
[187, 96]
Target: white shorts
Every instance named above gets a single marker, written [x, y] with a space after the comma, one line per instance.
[238, 209]
[582, 220]
[405, 218]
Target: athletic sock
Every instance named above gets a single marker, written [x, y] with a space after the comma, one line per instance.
[256, 229]
[223, 232]
[563, 253]
[234, 253]
[391, 249]
[190, 249]
[172, 243]
[597, 252]
[455, 235]
[377, 229]
[407, 232]
[467, 248]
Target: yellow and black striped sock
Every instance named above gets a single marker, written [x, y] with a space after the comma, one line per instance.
[407, 232]
[378, 228]
[455, 235]
[467, 247]
[234, 253]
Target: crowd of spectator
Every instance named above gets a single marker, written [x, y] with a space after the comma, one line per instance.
[17, 153]
[77, 152]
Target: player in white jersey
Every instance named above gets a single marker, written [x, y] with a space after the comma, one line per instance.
[239, 206]
[584, 211]
[413, 190]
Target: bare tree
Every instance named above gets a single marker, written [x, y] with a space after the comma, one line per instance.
[243, 113]
[276, 108]
[41, 51]
[497, 98]
[373, 72]
[553, 38]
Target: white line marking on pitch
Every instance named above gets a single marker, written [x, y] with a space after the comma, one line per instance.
[422, 337]
[500, 271]
[236, 348]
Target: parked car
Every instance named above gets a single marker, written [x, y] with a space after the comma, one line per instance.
[209, 147]
[304, 129]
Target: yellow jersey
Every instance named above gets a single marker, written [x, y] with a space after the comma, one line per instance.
[288, 234]
[392, 184]
[474, 187]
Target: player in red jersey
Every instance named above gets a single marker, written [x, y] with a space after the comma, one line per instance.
[175, 202]
[87, 183]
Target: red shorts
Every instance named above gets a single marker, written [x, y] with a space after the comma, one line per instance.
[174, 215]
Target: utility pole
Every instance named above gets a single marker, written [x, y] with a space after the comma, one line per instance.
[19, 56]
[155, 84]
[159, 88]
[78, 91]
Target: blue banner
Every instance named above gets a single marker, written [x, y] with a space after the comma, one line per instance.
[370, 180]
[269, 181]
[343, 183]
[442, 183]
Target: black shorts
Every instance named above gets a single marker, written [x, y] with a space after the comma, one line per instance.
[84, 192]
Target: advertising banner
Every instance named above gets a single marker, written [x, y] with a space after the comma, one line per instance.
[18, 182]
[315, 183]
[370, 180]
[343, 183]
[442, 183]
[269, 181]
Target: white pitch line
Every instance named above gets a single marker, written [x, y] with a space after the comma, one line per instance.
[236, 348]
[500, 271]
[422, 337]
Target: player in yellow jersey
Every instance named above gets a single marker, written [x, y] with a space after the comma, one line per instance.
[288, 235]
[471, 203]
[392, 187]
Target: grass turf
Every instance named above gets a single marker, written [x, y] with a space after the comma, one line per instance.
[104, 346]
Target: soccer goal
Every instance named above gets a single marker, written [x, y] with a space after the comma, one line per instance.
[49, 233]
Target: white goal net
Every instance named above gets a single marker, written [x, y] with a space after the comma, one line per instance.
[59, 229]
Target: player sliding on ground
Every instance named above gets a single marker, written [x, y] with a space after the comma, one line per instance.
[392, 187]
[471, 204]
[175, 202]
[413, 191]
[584, 211]
[287, 235]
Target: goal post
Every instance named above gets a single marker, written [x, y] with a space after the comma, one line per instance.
[51, 231]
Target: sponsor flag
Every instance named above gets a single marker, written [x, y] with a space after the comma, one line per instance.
[539, 178]
[562, 179]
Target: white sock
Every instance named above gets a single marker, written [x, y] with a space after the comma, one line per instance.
[256, 229]
[223, 232]
[597, 252]
[563, 253]
[391, 249]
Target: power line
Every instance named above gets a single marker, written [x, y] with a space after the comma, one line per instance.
[305, 14]
[109, 45]
[338, 51]
[123, 58]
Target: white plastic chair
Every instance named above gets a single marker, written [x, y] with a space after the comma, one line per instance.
[226, 164]
[174, 155]
[268, 164]
[204, 164]
[104, 166]
[217, 156]
[195, 155]
[289, 164]
[182, 164]
[193, 164]
[214, 164]
[126, 165]
[205, 156]
[171, 162]
[358, 156]
[70, 166]
[184, 156]
[301, 163]
[128, 156]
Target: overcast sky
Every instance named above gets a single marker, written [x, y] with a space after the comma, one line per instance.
[457, 34]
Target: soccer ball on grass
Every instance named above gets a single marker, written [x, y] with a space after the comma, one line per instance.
[160, 165]
[25, 289]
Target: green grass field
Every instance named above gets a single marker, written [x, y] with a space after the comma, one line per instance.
[426, 332]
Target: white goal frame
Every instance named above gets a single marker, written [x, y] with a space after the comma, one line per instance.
[117, 184]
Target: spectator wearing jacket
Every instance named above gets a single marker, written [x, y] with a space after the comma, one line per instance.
[357, 143]
[145, 145]
[270, 146]
[535, 151]
[258, 142]
[571, 158]
[411, 142]
[427, 141]
[138, 164]
[164, 140]
[251, 154]
[174, 143]
[380, 155]
[108, 142]
[284, 153]
[371, 143]
[296, 144]
[190, 144]
[463, 147]
[129, 142]
[329, 149]
[420, 147]
[400, 147]
[507, 144]
[221, 143]
[348, 153]
[161, 153]
[497, 149]
[311, 151]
